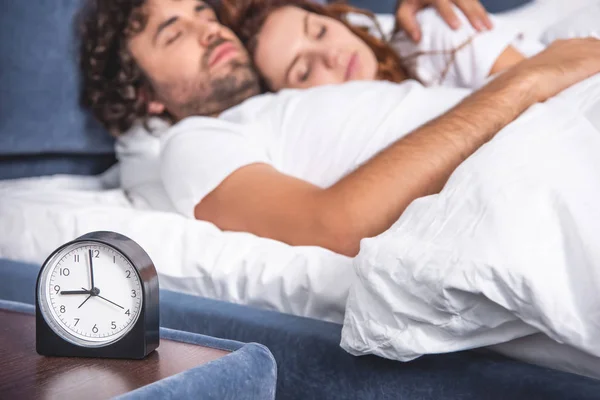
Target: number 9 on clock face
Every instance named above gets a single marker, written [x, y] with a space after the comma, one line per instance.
[90, 294]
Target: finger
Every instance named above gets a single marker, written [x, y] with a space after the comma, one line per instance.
[475, 13]
[407, 20]
[444, 8]
[483, 16]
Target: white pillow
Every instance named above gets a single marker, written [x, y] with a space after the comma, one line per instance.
[583, 23]
[138, 152]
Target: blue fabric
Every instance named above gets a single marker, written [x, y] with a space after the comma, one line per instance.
[311, 365]
[248, 373]
[38, 165]
[388, 6]
[17, 307]
[17, 281]
[39, 82]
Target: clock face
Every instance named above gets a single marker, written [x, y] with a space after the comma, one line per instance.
[90, 294]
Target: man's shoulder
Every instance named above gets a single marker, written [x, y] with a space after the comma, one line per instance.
[199, 126]
[232, 123]
[270, 101]
[266, 109]
[249, 109]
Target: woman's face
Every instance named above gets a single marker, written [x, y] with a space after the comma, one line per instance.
[299, 49]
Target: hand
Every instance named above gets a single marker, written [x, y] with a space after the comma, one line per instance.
[406, 14]
[563, 64]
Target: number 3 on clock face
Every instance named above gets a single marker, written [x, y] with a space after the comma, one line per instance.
[92, 293]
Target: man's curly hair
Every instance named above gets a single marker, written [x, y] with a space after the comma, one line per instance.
[111, 79]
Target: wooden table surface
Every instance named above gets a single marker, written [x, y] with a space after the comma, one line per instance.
[26, 375]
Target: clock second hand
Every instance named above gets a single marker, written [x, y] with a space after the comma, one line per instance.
[87, 298]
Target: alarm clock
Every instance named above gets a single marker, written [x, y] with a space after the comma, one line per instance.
[97, 296]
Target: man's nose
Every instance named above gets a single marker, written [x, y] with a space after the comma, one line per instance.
[208, 32]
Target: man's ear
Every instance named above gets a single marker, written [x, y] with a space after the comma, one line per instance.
[154, 107]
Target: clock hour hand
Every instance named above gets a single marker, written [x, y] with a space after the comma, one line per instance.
[67, 292]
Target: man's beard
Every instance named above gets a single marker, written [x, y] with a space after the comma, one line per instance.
[222, 93]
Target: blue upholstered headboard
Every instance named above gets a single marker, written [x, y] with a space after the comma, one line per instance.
[42, 128]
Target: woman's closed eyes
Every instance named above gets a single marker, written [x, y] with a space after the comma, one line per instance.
[305, 70]
[322, 32]
[297, 48]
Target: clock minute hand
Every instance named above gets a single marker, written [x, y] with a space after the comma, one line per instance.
[91, 268]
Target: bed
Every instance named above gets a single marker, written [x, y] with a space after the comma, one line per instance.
[227, 285]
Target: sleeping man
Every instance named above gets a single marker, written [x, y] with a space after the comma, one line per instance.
[326, 166]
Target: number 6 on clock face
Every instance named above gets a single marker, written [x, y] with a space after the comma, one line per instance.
[91, 293]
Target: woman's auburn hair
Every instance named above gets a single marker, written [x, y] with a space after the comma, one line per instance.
[247, 17]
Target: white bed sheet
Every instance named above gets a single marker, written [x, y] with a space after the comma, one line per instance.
[38, 215]
[539, 349]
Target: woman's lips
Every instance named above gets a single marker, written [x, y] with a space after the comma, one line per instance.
[222, 53]
[352, 67]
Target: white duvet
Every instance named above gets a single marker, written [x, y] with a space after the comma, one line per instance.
[510, 247]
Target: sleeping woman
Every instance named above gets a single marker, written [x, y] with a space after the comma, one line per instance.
[300, 44]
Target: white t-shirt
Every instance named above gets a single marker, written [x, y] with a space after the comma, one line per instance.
[321, 134]
[461, 58]
[317, 135]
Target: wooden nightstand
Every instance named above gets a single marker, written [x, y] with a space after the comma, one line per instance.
[27, 375]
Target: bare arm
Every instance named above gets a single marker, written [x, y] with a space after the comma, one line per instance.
[369, 200]
[421, 163]
[260, 200]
